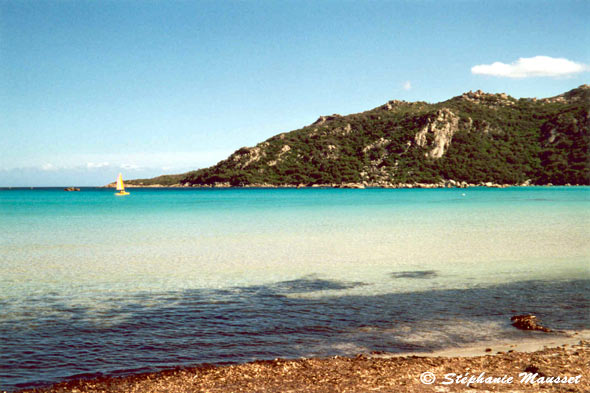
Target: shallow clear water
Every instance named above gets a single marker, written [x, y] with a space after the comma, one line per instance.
[91, 283]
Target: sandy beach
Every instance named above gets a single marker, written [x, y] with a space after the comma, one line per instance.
[526, 366]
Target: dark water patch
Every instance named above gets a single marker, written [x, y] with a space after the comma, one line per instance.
[153, 331]
[415, 274]
[312, 284]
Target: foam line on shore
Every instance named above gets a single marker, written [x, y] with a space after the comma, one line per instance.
[539, 342]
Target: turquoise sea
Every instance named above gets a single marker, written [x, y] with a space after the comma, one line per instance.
[92, 284]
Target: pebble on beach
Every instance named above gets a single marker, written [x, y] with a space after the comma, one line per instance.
[357, 374]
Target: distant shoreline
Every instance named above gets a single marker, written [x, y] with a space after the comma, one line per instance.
[315, 186]
[352, 185]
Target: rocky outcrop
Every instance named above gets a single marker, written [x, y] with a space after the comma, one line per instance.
[390, 105]
[351, 185]
[72, 189]
[489, 100]
[379, 143]
[527, 322]
[322, 119]
[247, 155]
[438, 133]
[582, 93]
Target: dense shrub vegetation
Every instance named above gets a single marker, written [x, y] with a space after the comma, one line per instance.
[483, 137]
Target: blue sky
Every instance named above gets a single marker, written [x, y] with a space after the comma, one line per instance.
[91, 88]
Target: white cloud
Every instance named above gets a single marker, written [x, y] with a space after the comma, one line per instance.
[130, 166]
[526, 67]
[48, 167]
[91, 165]
[407, 85]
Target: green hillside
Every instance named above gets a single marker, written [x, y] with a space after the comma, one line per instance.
[472, 138]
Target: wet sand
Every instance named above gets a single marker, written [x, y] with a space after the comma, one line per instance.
[374, 373]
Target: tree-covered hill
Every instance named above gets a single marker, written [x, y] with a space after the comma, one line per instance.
[473, 138]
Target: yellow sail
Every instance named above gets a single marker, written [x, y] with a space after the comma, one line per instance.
[121, 186]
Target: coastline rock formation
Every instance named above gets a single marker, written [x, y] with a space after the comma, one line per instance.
[528, 322]
[442, 127]
[476, 138]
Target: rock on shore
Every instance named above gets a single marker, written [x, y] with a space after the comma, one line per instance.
[527, 322]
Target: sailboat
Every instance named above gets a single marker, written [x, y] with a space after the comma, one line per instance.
[121, 186]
